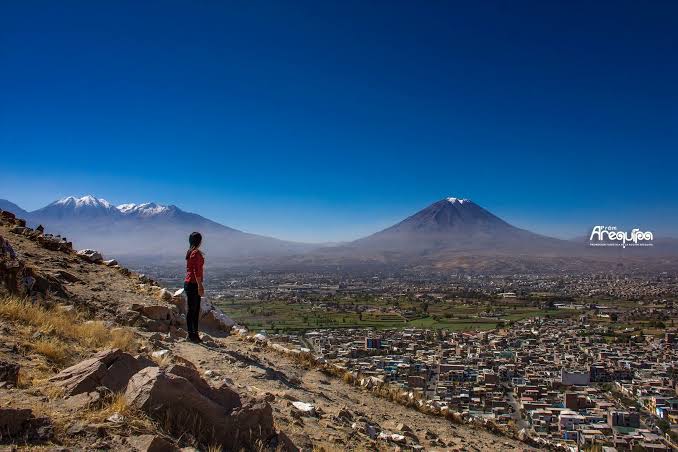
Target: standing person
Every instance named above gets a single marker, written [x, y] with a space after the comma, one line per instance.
[193, 285]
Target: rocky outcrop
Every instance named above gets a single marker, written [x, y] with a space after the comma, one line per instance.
[223, 395]
[21, 424]
[165, 295]
[211, 317]
[54, 243]
[110, 369]
[176, 401]
[91, 255]
[9, 373]
[150, 443]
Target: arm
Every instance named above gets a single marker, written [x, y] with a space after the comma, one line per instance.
[199, 274]
[201, 288]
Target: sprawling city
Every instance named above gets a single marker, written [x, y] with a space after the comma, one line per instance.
[582, 361]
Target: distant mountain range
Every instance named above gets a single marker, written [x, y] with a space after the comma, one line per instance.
[148, 230]
[450, 234]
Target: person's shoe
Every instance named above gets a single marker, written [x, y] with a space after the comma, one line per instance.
[197, 339]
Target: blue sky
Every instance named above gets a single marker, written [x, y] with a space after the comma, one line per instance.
[327, 121]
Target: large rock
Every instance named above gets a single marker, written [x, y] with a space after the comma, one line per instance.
[175, 401]
[223, 395]
[179, 300]
[7, 215]
[211, 317]
[165, 295]
[53, 243]
[21, 424]
[9, 373]
[157, 312]
[91, 255]
[150, 443]
[111, 369]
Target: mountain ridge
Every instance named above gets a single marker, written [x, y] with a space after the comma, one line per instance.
[449, 233]
[150, 230]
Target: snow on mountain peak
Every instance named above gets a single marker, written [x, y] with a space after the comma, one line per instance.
[144, 209]
[85, 201]
[452, 200]
[124, 208]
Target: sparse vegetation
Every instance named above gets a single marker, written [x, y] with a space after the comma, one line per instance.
[53, 349]
[59, 328]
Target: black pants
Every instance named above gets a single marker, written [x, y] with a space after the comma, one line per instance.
[193, 313]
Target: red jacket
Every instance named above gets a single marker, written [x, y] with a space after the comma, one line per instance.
[194, 265]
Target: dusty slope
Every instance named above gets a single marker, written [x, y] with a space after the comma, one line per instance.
[108, 294]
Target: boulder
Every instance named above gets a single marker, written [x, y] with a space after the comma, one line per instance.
[9, 373]
[160, 354]
[124, 271]
[224, 395]
[52, 243]
[110, 263]
[179, 300]
[90, 255]
[305, 409]
[18, 230]
[7, 215]
[47, 282]
[211, 317]
[150, 443]
[129, 317]
[65, 276]
[157, 312]
[403, 427]
[215, 319]
[109, 368]
[176, 402]
[21, 424]
[165, 295]
[158, 326]
[82, 401]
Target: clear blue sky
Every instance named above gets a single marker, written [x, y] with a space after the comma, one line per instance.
[326, 121]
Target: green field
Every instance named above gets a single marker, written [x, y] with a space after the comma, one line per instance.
[453, 316]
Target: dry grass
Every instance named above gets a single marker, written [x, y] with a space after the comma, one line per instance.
[53, 349]
[162, 361]
[132, 419]
[62, 325]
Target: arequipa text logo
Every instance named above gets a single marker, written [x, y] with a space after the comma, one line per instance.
[611, 236]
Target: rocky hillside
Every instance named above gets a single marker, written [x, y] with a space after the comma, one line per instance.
[95, 358]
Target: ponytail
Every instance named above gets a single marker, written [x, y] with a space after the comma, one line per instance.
[194, 240]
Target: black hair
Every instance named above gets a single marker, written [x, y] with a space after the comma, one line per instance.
[194, 240]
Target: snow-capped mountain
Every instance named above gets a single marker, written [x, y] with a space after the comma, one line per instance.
[441, 232]
[147, 209]
[149, 229]
[447, 216]
[449, 223]
[87, 206]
